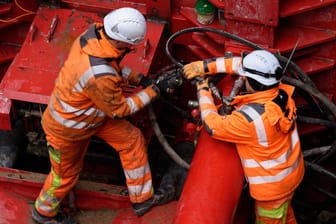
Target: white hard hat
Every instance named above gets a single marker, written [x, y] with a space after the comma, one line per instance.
[126, 25]
[261, 66]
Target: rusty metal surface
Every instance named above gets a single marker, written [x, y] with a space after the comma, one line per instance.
[32, 75]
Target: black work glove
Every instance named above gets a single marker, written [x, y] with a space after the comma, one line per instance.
[145, 81]
[168, 84]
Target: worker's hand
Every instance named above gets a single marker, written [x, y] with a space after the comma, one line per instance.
[146, 81]
[165, 86]
[194, 69]
[202, 84]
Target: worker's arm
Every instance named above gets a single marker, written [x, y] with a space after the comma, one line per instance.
[135, 78]
[107, 94]
[212, 66]
[232, 128]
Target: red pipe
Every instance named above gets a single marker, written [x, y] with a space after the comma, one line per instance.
[213, 186]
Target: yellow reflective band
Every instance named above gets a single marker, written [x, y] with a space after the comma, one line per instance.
[54, 154]
[277, 213]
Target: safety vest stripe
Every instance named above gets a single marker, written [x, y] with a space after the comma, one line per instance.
[138, 172]
[144, 98]
[258, 123]
[61, 120]
[267, 164]
[295, 137]
[126, 71]
[93, 71]
[140, 189]
[277, 178]
[70, 109]
[67, 122]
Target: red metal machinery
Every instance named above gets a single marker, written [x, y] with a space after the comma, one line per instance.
[33, 50]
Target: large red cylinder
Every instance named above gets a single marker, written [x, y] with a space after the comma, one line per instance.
[213, 186]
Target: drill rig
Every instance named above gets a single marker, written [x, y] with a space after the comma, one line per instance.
[37, 36]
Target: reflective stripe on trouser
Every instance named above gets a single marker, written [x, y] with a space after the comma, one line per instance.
[275, 212]
[129, 142]
[66, 164]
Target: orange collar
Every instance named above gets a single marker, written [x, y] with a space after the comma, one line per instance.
[258, 97]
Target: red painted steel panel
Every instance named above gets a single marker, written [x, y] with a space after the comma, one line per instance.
[307, 36]
[260, 34]
[290, 7]
[96, 202]
[5, 107]
[103, 6]
[254, 11]
[32, 74]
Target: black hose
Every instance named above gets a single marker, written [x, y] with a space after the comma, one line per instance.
[301, 79]
[304, 83]
[169, 150]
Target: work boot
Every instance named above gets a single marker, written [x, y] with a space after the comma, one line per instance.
[60, 218]
[165, 194]
[143, 207]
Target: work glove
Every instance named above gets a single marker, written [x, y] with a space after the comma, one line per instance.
[145, 81]
[194, 69]
[167, 84]
[164, 86]
[200, 69]
[202, 85]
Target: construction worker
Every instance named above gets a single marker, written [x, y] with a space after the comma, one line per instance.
[262, 126]
[88, 100]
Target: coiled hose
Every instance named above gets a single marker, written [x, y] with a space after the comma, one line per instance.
[297, 78]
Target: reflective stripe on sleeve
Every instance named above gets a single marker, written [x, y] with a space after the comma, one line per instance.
[206, 100]
[126, 71]
[220, 64]
[130, 102]
[145, 99]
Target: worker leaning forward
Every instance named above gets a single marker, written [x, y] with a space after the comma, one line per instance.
[262, 126]
[87, 100]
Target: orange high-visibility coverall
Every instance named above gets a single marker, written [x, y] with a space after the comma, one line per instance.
[267, 141]
[88, 100]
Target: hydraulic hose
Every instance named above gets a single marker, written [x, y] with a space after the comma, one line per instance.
[163, 141]
[296, 77]
[301, 81]
[305, 83]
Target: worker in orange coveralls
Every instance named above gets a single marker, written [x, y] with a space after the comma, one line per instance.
[88, 100]
[262, 126]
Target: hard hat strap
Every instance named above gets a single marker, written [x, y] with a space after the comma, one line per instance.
[255, 72]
